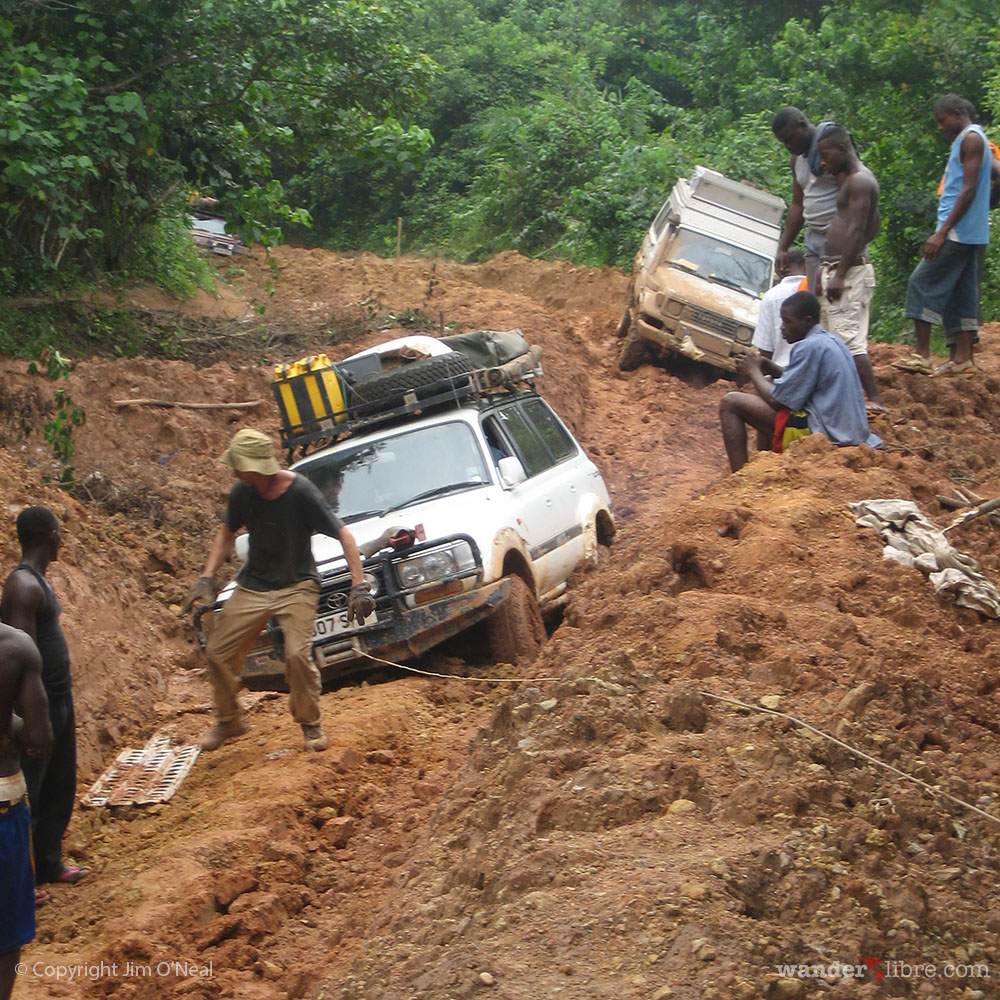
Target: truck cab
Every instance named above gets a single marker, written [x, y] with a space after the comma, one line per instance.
[470, 500]
[700, 272]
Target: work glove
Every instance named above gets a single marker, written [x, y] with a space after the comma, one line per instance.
[202, 592]
[360, 603]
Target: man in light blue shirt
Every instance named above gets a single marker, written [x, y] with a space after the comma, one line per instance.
[820, 379]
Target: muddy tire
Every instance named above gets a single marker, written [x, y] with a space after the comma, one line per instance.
[515, 632]
[624, 324]
[426, 378]
[635, 351]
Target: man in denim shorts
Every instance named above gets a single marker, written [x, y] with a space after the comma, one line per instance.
[944, 286]
[21, 684]
[846, 281]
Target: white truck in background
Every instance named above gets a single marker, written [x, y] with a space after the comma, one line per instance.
[698, 277]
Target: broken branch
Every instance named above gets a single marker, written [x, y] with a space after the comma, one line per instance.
[168, 404]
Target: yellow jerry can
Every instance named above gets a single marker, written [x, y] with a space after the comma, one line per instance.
[310, 397]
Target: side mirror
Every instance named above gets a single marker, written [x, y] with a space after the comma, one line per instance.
[511, 472]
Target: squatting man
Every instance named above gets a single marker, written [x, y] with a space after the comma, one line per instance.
[281, 511]
[819, 391]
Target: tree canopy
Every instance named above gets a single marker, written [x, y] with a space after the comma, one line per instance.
[555, 127]
[113, 112]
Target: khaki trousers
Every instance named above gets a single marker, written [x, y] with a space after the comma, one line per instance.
[236, 630]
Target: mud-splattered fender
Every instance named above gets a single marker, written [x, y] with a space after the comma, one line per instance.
[506, 541]
[588, 509]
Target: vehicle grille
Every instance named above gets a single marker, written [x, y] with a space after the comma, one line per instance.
[335, 590]
[713, 321]
[333, 600]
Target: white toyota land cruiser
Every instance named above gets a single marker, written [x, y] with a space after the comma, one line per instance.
[468, 497]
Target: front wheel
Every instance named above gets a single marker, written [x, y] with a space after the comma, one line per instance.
[635, 351]
[515, 631]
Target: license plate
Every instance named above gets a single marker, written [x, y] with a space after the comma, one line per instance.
[330, 625]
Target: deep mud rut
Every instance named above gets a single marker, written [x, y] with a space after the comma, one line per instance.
[612, 829]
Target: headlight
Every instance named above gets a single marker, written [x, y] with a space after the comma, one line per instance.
[436, 564]
[372, 582]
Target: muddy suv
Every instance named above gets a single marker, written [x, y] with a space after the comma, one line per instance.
[705, 262]
[470, 501]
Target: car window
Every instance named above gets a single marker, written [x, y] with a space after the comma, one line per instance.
[660, 222]
[529, 446]
[538, 438]
[560, 445]
[495, 440]
[719, 261]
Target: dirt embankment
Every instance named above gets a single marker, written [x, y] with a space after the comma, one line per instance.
[607, 826]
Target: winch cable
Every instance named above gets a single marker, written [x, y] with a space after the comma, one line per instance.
[458, 677]
[930, 789]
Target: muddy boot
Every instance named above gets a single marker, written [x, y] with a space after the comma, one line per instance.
[315, 738]
[221, 732]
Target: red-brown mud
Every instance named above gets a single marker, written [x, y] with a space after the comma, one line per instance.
[605, 826]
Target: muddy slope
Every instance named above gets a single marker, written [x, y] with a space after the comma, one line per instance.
[606, 825]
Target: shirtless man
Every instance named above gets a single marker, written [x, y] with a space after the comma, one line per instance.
[813, 190]
[20, 683]
[846, 280]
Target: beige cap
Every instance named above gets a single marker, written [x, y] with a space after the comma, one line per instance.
[251, 451]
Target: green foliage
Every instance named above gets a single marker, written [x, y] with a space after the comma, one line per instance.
[32, 329]
[165, 255]
[111, 113]
[57, 431]
[553, 128]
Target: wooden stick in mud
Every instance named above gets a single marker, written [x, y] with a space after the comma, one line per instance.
[984, 508]
[168, 404]
[399, 244]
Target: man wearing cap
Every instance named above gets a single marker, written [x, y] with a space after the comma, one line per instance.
[281, 511]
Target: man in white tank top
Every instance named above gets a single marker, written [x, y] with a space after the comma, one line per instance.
[814, 193]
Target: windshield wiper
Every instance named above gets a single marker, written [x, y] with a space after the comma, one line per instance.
[357, 515]
[728, 282]
[437, 491]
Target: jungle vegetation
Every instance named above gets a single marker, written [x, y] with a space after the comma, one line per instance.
[553, 127]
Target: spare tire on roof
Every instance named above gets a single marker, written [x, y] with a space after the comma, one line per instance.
[435, 376]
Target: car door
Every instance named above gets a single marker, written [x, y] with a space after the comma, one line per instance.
[546, 503]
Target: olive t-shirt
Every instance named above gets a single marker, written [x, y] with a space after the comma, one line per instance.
[280, 532]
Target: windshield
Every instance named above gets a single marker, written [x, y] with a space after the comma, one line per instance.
[709, 257]
[384, 475]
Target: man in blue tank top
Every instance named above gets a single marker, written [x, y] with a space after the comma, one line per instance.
[30, 604]
[944, 286]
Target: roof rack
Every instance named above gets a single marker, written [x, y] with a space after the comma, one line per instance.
[321, 402]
